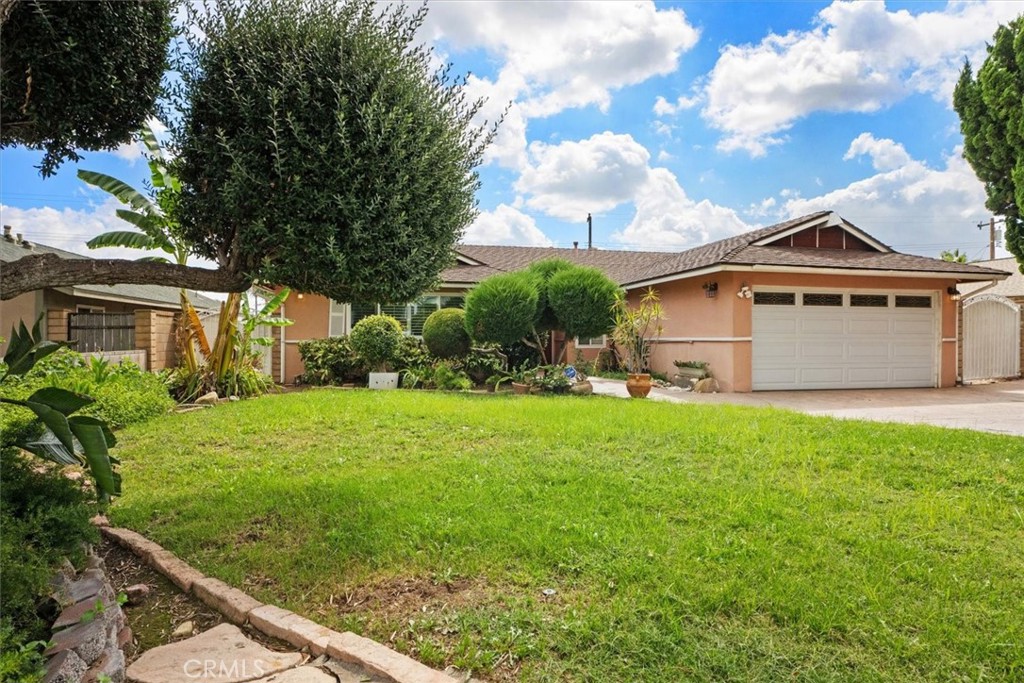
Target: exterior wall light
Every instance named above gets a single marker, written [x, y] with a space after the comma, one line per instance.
[744, 292]
[954, 294]
[711, 289]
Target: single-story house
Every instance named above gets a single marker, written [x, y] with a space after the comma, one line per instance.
[121, 321]
[991, 327]
[810, 303]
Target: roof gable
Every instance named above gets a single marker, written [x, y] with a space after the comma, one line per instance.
[828, 231]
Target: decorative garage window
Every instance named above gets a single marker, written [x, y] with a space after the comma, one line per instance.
[774, 299]
[870, 300]
[913, 301]
[823, 299]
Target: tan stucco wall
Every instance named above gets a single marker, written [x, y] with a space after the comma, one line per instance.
[25, 307]
[691, 314]
[311, 316]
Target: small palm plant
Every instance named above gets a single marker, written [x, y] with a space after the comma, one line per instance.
[637, 329]
[155, 230]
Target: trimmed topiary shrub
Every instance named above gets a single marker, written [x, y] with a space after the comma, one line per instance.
[544, 270]
[376, 340]
[444, 333]
[582, 300]
[502, 308]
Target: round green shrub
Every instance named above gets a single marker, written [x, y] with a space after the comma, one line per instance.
[582, 300]
[502, 308]
[376, 339]
[544, 270]
[444, 333]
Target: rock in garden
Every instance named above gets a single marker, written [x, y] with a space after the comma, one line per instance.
[185, 628]
[708, 385]
[207, 399]
[582, 389]
[137, 594]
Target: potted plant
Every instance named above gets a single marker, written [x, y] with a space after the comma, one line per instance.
[376, 340]
[635, 332]
[522, 378]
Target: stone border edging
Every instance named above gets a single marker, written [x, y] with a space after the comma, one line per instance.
[240, 608]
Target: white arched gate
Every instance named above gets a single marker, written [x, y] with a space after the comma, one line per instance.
[991, 338]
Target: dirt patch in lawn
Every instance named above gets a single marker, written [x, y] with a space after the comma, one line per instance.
[403, 596]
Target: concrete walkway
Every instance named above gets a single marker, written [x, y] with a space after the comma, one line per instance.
[996, 407]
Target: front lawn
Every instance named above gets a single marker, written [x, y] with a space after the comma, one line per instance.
[701, 543]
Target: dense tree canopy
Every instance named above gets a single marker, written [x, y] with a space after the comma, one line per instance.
[321, 150]
[79, 75]
[318, 147]
[991, 110]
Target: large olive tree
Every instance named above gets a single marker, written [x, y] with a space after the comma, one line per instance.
[318, 147]
[79, 75]
[991, 110]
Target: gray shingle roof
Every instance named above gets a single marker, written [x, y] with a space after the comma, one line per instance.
[628, 267]
[1012, 286]
[145, 294]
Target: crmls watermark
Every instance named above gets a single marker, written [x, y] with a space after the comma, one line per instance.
[214, 669]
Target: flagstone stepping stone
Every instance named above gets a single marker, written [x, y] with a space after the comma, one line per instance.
[303, 674]
[223, 654]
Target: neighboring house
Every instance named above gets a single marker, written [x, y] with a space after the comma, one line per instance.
[133, 321]
[991, 326]
[811, 303]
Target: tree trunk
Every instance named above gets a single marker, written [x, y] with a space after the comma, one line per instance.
[38, 271]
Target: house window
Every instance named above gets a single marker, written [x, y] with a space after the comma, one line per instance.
[410, 316]
[592, 342]
[823, 299]
[339, 315]
[870, 300]
[913, 301]
[774, 299]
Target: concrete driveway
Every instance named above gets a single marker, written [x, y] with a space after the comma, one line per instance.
[996, 407]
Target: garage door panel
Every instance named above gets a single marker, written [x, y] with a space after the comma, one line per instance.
[781, 351]
[819, 352]
[780, 326]
[863, 325]
[868, 350]
[811, 376]
[827, 326]
[913, 327]
[812, 347]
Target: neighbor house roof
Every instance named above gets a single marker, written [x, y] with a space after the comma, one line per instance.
[1013, 286]
[150, 295]
[636, 268]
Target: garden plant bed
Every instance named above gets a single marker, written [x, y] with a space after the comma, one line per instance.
[681, 542]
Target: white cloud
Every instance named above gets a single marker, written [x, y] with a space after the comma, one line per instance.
[70, 229]
[911, 206]
[763, 208]
[885, 154]
[859, 58]
[663, 107]
[667, 218]
[664, 156]
[574, 178]
[605, 171]
[557, 56]
[505, 225]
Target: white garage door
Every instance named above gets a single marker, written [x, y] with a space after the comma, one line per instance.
[832, 339]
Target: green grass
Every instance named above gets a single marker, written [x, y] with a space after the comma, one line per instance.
[702, 543]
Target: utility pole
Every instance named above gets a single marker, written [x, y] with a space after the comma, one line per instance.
[993, 236]
[590, 232]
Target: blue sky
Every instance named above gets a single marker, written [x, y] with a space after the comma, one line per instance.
[675, 123]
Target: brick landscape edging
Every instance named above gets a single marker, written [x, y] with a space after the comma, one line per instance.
[240, 608]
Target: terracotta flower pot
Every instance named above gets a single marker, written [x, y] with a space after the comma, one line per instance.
[518, 388]
[638, 385]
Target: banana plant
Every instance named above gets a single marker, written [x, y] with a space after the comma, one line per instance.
[155, 231]
[67, 439]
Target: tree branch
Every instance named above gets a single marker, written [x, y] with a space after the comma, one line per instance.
[49, 270]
